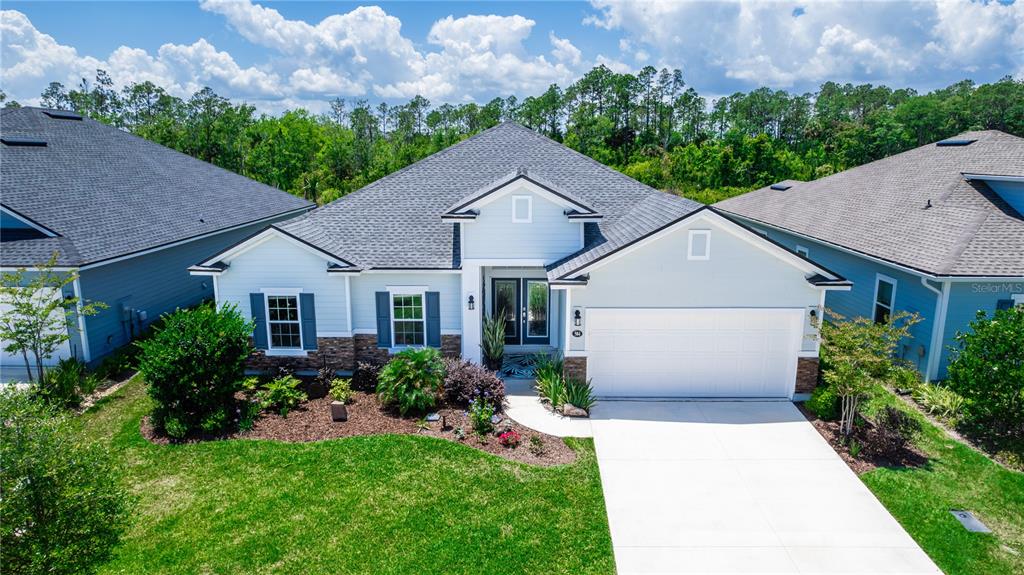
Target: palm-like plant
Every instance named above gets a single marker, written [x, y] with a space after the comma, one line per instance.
[493, 341]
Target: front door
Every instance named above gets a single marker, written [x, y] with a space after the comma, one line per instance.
[525, 304]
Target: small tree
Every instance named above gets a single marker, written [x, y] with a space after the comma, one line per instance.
[988, 370]
[859, 353]
[39, 318]
[63, 507]
[193, 366]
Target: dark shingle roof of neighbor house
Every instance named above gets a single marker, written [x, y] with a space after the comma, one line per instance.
[914, 209]
[108, 193]
[396, 222]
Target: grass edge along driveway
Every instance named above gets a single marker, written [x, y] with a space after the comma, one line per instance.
[382, 504]
[955, 477]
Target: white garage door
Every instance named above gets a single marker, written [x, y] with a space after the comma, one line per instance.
[693, 352]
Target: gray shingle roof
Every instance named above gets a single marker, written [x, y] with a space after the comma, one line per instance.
[395, 222]
[108, 193]
[881, 208]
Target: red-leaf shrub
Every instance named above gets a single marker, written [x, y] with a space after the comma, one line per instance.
[465, 381]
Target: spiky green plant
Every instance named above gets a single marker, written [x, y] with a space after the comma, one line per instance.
[493, 341]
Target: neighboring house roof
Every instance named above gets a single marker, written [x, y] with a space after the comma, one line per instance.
[107, 193]
[396, 222]
[914, 209]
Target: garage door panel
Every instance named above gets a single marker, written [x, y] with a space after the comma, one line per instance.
[693, 352]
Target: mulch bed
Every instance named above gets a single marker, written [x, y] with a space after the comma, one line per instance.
[868, 458]
[311, 421]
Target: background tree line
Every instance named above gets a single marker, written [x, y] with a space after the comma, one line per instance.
[650, 125]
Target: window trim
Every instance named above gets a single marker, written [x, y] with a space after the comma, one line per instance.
[283, 292]
[707, 245]
[529, 209]
[879, 278]
[802, 250]
[407, 291]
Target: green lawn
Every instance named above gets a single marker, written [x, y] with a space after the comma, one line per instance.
[956, 477]
[384, 504]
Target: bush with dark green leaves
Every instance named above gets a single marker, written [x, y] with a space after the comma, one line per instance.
[63, 506]
[193, 366]
[988, 371]
[412, 380]
[824, 403]
[281, 394]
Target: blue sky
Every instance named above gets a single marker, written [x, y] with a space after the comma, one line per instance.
[284, 54]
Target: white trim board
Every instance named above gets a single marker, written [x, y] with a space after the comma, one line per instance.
[263, 236]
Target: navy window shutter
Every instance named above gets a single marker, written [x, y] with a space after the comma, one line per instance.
[383, 319]
[433, 319]
[308, 310]
[259, 320]
[1004, 304]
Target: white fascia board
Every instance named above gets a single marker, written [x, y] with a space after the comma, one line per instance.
[521, 183]
[992, 177]
[28, 222]
[725, 225]
[264, 236]
[192, 239]
[511, 262]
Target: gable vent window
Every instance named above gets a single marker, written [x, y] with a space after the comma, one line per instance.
[699, 245]
[522, 209]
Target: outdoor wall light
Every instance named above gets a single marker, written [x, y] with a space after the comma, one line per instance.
[814, 312]
[471, 303]
[576, 318]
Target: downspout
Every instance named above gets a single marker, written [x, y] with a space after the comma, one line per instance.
[938, 327]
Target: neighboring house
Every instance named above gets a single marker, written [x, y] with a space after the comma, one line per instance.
[126, 214]
[647, 293]
[936, 231]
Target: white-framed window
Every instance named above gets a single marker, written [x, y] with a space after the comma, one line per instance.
[885, 298]
[408, 318]
[284, 328]
[699, 245]
[522, 209]
[802, 251]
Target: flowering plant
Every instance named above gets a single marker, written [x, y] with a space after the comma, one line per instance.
[510, 438]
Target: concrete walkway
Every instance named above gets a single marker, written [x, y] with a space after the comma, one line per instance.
[738, 487]
[524, 407]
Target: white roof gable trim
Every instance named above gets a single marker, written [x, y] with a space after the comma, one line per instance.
[806, 266]
[217, 263]
[517, 181]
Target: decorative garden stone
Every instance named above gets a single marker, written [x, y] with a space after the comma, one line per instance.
[338, 411]
[570, 410]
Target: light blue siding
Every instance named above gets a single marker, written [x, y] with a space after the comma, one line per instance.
[965, 300]
[364, 286]
[1012, 192]
[911, 296]
[280, 263]
[737, 274]
[548, 237]
[156, 283]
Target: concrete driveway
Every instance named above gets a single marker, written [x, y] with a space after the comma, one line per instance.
[738, 487]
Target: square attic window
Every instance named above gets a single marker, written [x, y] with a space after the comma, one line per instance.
[25, 141]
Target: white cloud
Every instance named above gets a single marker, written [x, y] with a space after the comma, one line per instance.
[799, 44]
[564, 51]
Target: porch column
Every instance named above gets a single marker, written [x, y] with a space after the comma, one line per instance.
[471, 318]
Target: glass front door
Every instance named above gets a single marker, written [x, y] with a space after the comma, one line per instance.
[506, 303]
[525, 305]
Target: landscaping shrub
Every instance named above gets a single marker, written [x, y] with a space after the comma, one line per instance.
[281, 394]
[365, 376]
[510, 439]
[549, 379]
[480, 414]
[63, 507]
[988, 371]
[580, 393]
[341, 389]
[465, 381]
[412, 380]
[939, 401]
[67, 383]
[824, 403]
[493, 341]
[893, 429]
[193, 366]
[904, 379]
